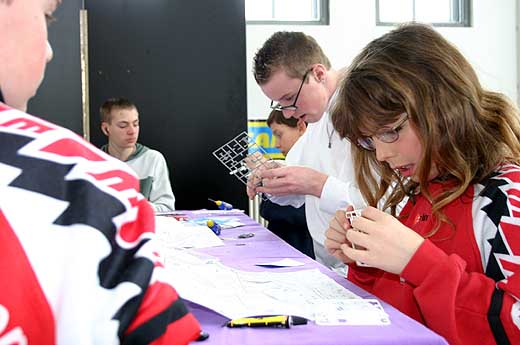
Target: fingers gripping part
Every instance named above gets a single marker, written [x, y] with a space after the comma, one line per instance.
[350, 216]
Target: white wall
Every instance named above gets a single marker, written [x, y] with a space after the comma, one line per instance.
[490, 44]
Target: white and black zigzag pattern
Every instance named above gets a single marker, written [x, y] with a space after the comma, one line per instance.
[48, 178]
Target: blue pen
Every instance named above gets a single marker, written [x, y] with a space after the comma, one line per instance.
[214, 226]
[222, 205]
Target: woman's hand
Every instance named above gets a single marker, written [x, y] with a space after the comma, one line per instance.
[387, 243]
[336, 236]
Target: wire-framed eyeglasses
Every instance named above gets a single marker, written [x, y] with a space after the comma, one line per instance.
[385, 135]
[292, 107]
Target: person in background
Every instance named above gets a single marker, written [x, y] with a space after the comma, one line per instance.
[78, 256]
[287, 131]
[287, 222]
[292, 70]
[420, 119]
[120, 123]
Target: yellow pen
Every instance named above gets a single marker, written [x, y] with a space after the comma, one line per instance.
[267, 321]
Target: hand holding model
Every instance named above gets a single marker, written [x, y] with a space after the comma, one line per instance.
[381, 240]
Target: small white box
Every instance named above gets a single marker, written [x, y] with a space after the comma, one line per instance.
[350, 216]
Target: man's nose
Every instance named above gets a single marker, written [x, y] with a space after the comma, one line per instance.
[288, 113]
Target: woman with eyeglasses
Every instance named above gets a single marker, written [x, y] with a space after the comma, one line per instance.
[419, 119]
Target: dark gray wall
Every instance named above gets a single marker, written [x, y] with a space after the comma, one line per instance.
[59, 96]
[184, 64]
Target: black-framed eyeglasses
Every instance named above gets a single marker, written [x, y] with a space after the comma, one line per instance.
[293, 106]
[385, 135]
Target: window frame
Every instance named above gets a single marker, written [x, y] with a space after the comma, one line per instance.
[324, 18]
[464, 10]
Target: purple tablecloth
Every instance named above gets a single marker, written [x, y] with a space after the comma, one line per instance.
[265, 246]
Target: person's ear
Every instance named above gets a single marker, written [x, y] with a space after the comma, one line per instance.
[320, 72]
[302, 127]
[104, 128]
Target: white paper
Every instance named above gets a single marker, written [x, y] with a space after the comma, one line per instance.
[281, 263]
[361, 312]
[237, 294]
[224, 222]
[174, 234]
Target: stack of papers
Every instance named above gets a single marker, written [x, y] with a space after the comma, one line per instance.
[235, 294]
[174, 234]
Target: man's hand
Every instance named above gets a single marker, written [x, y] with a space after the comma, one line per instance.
[256, 163]
[292, 180]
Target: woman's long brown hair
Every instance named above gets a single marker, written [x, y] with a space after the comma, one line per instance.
[465, 130]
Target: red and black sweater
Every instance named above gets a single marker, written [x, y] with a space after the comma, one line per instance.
[464, 281]
[78, 263]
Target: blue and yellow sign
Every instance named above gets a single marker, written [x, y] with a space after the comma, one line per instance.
[263, 136]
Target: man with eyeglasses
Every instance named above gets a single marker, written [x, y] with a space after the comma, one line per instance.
[292, 71]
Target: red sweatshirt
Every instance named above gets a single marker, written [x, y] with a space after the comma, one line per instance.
[464, 281]
[77, 252]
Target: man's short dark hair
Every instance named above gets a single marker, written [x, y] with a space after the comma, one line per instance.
[295, 52]
[110, 104]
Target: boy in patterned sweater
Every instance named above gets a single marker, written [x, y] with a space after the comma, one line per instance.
[78, 263]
